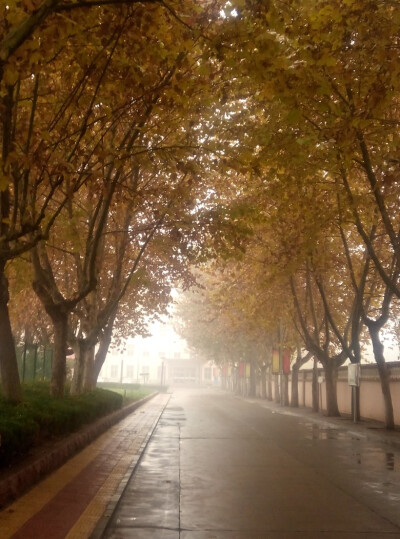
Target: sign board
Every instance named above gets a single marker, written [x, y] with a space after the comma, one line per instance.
[353, 374]
[286, 361]
[275, 362]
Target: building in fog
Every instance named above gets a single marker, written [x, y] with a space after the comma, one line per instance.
[164, 358]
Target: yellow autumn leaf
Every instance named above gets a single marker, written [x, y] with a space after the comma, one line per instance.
[4, 181]
[10, 75]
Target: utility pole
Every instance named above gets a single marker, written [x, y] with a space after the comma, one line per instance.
[281, 378]
[162, 373]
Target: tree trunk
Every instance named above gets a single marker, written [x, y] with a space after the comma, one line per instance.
[277, 389]
[98, 363]
[90, 379]
[285, 380]
[11, 384]
[224, 371]
[10, 381]
[331, 371]
[300, 361]
[100, 357]
[79, 367]
[315, 387]
[384, 376]
[263, 382]
[59, 370]
[269, 384]
[252, 388]
[237, 379]
[294, 401]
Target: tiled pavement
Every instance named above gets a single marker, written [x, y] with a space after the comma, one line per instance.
[73, 500]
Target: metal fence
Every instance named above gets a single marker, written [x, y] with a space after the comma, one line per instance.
[34, 362]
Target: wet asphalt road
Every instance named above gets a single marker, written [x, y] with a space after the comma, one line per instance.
[218, 467]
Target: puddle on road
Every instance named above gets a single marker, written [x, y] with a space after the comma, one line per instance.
[383, 489]
[316, 432]
[376, 458]
[390, 461]
[372, 457]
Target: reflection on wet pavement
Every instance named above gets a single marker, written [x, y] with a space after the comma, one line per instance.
[317, 432]
[390, 461]
[382, 489]
[379, 458]
[216, 467]
[375, 457]
[376, 466]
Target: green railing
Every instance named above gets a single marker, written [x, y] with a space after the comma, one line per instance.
[34, 362]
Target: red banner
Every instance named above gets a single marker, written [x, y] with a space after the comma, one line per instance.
[241, 369]
[286, 361]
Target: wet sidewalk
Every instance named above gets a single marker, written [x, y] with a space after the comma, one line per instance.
[72, 501]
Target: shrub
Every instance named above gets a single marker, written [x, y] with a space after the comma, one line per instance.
[40, 417]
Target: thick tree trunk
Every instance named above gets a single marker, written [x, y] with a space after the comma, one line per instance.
[294, 401]
[59, 370]
[79, 347]
[98, 363]
[315, 387]
[58, 310]
[300, 361]
[384, 376]
[102, 351]
[10, 381]
[331, 371]
[11, 385]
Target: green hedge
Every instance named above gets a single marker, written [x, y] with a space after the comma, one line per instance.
[148, 388]
[40, 417]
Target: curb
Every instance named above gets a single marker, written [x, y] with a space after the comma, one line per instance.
[104, 521]
[35, 468]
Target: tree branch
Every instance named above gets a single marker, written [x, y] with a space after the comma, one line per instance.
[98, 3]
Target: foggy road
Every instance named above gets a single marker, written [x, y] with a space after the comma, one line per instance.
[219, 467]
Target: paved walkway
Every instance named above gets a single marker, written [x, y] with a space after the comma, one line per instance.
[73, 500]
[208, 465]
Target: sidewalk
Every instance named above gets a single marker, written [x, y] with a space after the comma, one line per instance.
[70, 502]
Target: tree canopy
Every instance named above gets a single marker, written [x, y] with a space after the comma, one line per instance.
[143, 139]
